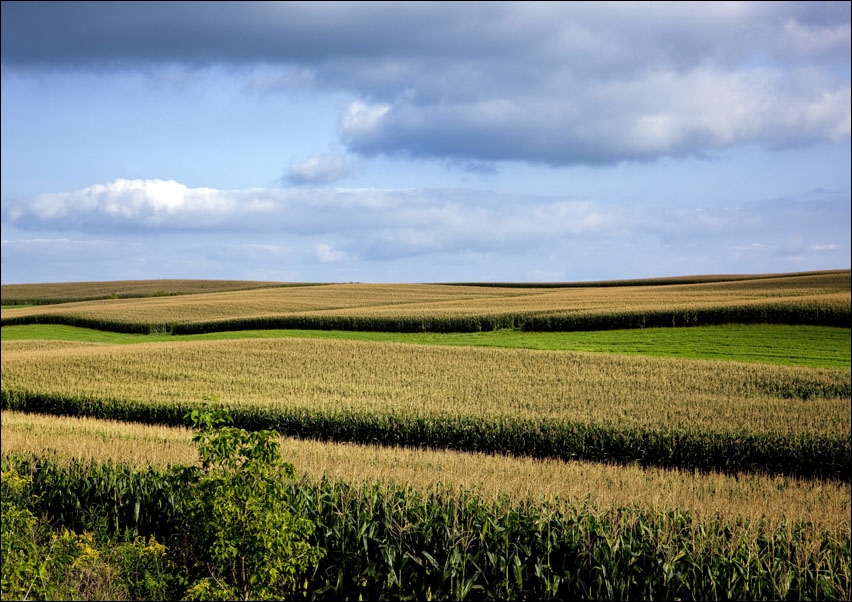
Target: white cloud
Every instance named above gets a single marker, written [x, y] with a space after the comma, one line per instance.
[319, 169]
[657, 113]
[815, 39]
[148, 201]
[382, 223]
[359, 118]
[55, 246]
[326, 253]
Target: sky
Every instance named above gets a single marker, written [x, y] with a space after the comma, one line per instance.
[423, 141]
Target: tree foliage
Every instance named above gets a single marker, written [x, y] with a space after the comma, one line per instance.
[243, 534]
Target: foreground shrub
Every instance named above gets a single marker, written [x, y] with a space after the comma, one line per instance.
[43, 564]
[20, 554]
[243, 538]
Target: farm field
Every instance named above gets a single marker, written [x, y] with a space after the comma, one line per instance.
[405, 380]
[815, 299]
[754, 497]
[816, 346]
[696, 445]
[50, 293]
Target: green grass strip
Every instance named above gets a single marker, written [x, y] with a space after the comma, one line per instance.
[813, 346]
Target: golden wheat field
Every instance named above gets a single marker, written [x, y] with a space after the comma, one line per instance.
[338, 376]
[417, 301]
[774, 499]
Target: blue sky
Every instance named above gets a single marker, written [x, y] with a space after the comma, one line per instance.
[423, 142]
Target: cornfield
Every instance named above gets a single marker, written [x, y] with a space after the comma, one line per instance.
[774, 500]
[392, 541]
[656, 411]
[816, 299]
[461, 472]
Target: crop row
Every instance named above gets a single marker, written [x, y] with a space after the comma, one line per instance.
[662, 281]
[767, 313]
[426, 382]
[775, 499]
[393, 542]
[816, 300]
[803, 456]
[70, 292]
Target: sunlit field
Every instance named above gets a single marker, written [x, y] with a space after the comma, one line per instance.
[695, 420]
[816, 346]
[525, 480]
[816, 299]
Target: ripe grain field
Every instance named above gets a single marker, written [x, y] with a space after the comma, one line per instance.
[525, 480]
[418, 380]
[67, 292]
[816, 299]
[731, 476]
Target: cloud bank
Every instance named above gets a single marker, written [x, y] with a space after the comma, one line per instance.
[545, 83]
[353, 227]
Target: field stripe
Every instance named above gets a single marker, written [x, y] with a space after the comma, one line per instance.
[807, 456]
[815, 346]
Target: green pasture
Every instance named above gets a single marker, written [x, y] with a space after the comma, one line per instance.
[815, 346]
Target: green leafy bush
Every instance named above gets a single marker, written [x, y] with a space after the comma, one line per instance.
[18, 536]
[244, 539]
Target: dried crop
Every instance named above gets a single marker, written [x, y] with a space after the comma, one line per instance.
[662, 411]
[524, 480]
[818, 299]
[68, 292]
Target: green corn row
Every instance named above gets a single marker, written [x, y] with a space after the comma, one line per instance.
[81, 322]
[805, 455]
[664, 281]
[815, 315]
[79, 495]
[386, 542]
[391, 542]
[764, 313]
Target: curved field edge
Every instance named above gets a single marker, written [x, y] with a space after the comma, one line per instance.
[814, 346]
[806, 455]
[752, 313]
[388, 541]
[772, 499]
[662, 281]
[16, 295]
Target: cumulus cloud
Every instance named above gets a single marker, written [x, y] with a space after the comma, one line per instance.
[388, 224]
[134, 203]
[663, 113]
[542, 82]
[150, 228]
